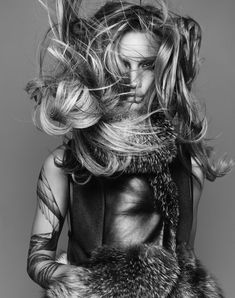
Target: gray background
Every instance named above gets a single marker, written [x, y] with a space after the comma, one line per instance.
[23, 148]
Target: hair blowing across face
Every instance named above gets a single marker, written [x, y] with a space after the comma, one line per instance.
[80, 95]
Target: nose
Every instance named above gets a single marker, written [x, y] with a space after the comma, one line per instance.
[135, 80]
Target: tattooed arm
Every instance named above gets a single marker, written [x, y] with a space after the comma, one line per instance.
[52, 202]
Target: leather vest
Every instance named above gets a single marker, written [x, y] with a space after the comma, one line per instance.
[119, 211]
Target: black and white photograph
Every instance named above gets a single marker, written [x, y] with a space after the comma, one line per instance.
[117, 149]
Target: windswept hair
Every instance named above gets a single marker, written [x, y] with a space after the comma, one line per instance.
[81, 94]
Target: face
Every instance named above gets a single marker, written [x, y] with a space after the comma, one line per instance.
[138, 52]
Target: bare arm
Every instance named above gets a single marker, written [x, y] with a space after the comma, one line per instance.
[52, 203]
[197, 191]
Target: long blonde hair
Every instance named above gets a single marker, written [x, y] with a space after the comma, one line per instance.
[80, 96]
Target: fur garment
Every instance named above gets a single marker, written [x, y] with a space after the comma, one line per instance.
[145, 271]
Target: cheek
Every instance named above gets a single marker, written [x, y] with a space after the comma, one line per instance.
[148, 80]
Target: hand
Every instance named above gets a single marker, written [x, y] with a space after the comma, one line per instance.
[70, 282]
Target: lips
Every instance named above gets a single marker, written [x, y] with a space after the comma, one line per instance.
[135, 95]
[135, 98]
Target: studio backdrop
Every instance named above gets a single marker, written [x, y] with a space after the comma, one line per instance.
[23, 148]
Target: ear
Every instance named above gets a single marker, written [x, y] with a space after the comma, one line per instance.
[190, 42]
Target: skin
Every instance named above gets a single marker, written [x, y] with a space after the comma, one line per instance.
[137, 52]
[52, 204]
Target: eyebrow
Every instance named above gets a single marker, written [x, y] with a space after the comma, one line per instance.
[138, 59]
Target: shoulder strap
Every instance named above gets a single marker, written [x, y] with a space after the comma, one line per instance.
[182, 176]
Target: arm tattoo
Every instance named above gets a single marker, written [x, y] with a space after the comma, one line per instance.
[37, 271]
[39, 243]
[47, 202]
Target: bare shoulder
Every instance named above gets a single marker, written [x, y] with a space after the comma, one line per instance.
[54, 179]
[197, 171]
[56, 155]
[197, 192]
[53, 161]
[198, 182]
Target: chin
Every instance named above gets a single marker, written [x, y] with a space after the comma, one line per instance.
[136, 109]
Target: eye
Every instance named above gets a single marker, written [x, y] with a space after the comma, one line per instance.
[126, 64]
[148, 65]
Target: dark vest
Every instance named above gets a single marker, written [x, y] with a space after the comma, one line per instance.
[97, 215]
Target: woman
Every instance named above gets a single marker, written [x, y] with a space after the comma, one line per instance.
[131, 169]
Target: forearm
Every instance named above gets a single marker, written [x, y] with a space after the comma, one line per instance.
[41, 264]
[43, 269]
[48, 223]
